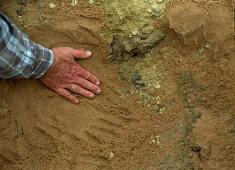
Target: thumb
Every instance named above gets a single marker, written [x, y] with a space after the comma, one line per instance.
[80, 53]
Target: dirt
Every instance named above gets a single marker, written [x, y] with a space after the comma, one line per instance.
[168, 107]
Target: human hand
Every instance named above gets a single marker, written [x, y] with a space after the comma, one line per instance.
[65, 73]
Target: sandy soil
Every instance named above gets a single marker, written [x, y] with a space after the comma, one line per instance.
[185, 122]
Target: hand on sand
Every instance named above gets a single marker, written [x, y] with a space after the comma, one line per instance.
[65, 74]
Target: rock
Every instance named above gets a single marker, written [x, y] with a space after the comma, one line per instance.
[111, 156]
[199, 114]
[133, 27]
[201, 51]
[160, 1]
[136, 79]
[159, 108]
[196, 148]
[157, 86]
[20, 11]
[74, 2]
[191, 33]
[207, 45]
[91, 2]
[135, 32]
[136, 46]
[156, 9]
[51, 5]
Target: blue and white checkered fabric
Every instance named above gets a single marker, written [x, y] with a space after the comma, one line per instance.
[19, 56]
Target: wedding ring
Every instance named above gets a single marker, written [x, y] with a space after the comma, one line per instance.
[73, 86]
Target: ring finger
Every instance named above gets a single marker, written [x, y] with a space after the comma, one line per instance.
[81, 91]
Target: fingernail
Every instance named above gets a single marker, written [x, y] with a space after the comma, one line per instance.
[92, 95]
[88, 53]
[77, 101]
[98, 91]
[97, 83]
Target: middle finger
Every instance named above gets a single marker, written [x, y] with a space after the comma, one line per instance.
[88, 85]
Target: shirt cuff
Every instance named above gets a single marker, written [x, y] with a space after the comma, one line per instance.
[43, 61]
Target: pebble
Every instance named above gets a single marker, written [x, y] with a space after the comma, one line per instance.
[196, 148]
[136, 77]
[156, 9]
[201, 51]
[91, 2]
[207, 45]
[74, 2]
[157, 86]
[51, 5]
[135, 32]
[199, 114]
[160, 1]
[111, 156]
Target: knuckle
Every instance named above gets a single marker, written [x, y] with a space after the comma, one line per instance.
[84, 82]
[78, 90]
[79, 70]
[65, 93]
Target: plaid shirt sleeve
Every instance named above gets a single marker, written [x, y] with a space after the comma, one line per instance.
[19, 56]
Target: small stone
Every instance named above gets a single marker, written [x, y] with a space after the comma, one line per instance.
[156, 9]
[207, 45]
[20, 11]
[135, 32]
[51, 5]
[160, 1]
[199, 114]
[111, 156]
[201, 51]
[196, 148]
[74, 2]
[159, 108]
[91, 2]
[157, 86]
[136, 77]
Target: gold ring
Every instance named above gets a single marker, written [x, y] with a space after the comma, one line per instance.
[73, 86]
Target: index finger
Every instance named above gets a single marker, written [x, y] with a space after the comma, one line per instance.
[87, 75]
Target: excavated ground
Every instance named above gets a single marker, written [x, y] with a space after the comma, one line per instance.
[167, 72]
